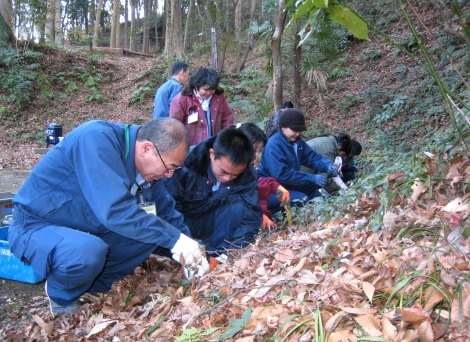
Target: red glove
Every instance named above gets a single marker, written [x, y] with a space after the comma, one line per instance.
[267, 223]
[282, 195]
[213, 262]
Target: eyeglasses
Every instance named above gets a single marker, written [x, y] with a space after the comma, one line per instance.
[176, 168]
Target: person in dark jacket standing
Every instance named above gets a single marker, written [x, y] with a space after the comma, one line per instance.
[201, 106]
[283, 156]
[80, 219]
[217, 193]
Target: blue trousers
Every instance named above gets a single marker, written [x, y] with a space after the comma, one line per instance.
[73, 261]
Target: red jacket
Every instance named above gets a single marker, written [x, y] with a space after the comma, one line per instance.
[221, 115]
[266, 187]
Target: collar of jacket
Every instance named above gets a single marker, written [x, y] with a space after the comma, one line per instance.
[282, 138]
[198, 160]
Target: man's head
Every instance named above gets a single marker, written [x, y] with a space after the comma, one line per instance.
[161, 148]
[287, 104]
[231, 153]
[205, 81]
[292, 123]
[180, 71]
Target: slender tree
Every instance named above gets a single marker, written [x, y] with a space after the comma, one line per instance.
[145, 27]
[97, 24]
[189, 19]
[112, 38]
[133, 40]
[280, 20]
[58, 37]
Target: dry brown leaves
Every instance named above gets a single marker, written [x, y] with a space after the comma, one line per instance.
[286, 275]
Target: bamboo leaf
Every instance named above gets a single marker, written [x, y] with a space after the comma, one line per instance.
[355, 25]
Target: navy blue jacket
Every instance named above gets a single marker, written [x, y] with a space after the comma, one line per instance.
[191, 189]
[84, 183]
[280, 161]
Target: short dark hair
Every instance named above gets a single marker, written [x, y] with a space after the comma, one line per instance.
[344, 143]
[356, 148]
[166, 133]
[232, 143]
[253, 132]
[287, 104]
[205, 76]
[177, 67]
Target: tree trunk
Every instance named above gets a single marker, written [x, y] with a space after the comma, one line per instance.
[92, 13]
[133, 28]
[228, 35]
[238, 22]
[112, 38]
[118, 32]
[6, 33]
[168, 29]
[6, 11]
[50, 36]
[157, 45]
[249, 46]
[97, 24]
[214, 53]
[177, 35]
[297, 64]
[146, 29]
[188, 22]
[126, 28]
[277, 60]
[58, 24]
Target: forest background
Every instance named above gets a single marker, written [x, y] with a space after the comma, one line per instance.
[387, 260]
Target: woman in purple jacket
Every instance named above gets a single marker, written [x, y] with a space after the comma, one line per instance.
[201, 102]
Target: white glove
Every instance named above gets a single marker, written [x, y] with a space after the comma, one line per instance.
[222, 258]
[339, 182]
[338, 163]
[187, 252]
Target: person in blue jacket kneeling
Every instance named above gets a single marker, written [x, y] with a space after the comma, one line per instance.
[94, 208]
[217, 193]
[283, 156]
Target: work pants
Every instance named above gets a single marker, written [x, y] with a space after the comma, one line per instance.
[72, 261]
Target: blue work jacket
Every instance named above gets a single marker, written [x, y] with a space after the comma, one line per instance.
[163, 97]
[281, 161]
[196, 200]
[84, 183]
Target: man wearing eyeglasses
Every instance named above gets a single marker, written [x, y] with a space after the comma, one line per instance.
[217, 192]
[82, 218]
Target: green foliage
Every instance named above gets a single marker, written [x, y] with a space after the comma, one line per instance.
[390, 109]
[142, 92]
[17, 74]
[370, 55]
[248, 96]
[237, 325]
[195, 334]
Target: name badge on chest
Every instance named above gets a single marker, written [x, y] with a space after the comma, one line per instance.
[149, 207]
[192, 117]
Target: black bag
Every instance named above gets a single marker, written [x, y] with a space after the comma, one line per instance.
[273, 124]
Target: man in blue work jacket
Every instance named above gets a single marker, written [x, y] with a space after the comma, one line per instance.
[217, 192]
[168, 90]
[80, 219]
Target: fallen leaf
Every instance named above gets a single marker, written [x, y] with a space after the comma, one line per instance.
[370, 324]
[369, 290]
[100, 327]
[285, 255]
[388, 329]
[425, 332]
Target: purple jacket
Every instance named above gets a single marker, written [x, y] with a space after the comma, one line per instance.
[186, 103]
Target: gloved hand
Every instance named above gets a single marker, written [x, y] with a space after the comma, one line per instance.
[282, 195]
[320, 180]
[214, 261]
[332, 171]
[338, 163]
[187, 252]
[267, 223]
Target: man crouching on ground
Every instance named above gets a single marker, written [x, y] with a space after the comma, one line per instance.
[216, 191]
[94, 208]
